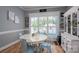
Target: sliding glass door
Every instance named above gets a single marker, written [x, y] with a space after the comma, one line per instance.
[52, 31]
[34, 25]
[42, 25]
[46, 25]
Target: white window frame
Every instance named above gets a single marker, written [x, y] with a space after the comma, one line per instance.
[54, 14]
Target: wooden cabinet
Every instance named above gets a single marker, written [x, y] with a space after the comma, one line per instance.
[71, 18]
[70, 43]
[70, 38]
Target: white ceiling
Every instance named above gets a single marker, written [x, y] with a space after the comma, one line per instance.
[26, 8]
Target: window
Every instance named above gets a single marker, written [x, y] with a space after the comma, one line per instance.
[44, 24]
[34, 25]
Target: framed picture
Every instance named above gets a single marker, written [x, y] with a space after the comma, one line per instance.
[17, 19]
[11, 15]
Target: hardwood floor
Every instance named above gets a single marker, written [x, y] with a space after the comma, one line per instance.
[16, 48]
[56, 48]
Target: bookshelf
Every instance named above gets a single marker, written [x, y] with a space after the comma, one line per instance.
[61, 22]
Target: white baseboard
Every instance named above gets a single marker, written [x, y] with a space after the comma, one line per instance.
[10, 44]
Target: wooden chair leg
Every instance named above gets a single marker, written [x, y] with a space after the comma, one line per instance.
[56, 42]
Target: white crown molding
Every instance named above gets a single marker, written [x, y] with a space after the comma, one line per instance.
[29, 8]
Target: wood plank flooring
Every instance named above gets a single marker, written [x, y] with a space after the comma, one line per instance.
[56, 48]
[14, 48]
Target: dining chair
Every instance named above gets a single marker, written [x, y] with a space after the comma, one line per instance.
[46, 47]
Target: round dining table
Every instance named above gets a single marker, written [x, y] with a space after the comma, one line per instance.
[34, 38]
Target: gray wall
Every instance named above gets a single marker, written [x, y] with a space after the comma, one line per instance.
[6, 24]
